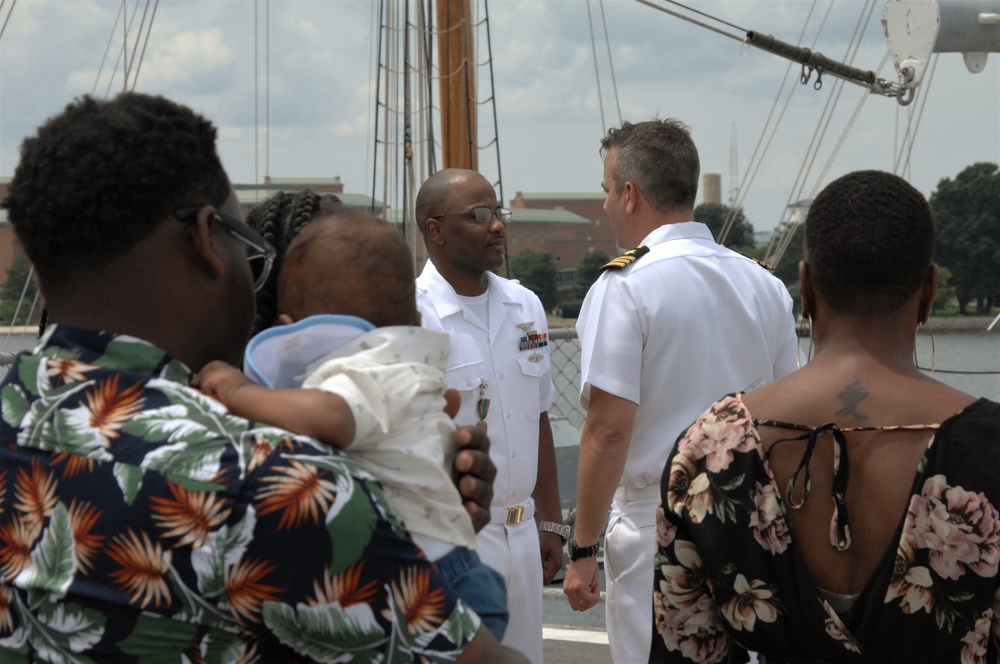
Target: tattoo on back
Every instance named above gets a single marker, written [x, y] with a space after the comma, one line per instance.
[852, 395]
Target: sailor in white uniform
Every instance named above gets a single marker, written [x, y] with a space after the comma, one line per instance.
[666, 330]
[500, 364]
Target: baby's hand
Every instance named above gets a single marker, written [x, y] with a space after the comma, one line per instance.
[219, 380]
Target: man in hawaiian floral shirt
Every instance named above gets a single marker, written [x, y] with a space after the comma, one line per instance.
[139, 520]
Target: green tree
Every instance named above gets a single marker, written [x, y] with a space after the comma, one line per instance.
[967, 228]
[786, 267]
[17, 276]
[537, 272]
[714, 216]
[945, 291]
[588, 271]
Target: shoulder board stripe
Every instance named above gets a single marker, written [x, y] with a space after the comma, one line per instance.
[628, 257]
[769, 268]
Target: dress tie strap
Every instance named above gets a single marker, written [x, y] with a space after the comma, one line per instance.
[840, 531]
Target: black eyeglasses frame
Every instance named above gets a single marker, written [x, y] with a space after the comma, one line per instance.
[481, 213]
[243, 232]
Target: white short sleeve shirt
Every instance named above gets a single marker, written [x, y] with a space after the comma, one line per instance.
[678, 328]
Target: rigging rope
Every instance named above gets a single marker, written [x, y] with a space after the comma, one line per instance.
[695, 21]
[774, 255]
[910, 137]
[267, 94]
[3, 28]
[145, 43]
[107, 47]
[597, 73]
[611, 62]
[496, 124]
[754, 165]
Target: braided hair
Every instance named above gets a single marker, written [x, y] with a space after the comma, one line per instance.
[279, 219]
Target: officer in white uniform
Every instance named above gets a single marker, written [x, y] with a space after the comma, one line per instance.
[666, 330]
[500, 364]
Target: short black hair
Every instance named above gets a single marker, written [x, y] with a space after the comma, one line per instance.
[102, 175]
[350, 265]
[869, 242]
[279, 219]
[435, 192]
[659, 157]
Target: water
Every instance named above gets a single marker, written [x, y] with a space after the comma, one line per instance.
[954, 357]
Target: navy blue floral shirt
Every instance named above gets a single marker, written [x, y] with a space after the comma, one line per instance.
[139, 520]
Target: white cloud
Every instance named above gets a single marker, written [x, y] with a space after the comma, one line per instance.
[306, 109]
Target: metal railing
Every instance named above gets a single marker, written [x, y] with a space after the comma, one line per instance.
[564, 347]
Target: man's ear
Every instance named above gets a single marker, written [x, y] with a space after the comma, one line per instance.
[435, 231]
[285, 319]
[206, 249]
[631, 196]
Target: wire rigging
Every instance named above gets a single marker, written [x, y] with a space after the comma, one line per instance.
[754, 166]
[611, 62]
[597, 73]
[6, 19]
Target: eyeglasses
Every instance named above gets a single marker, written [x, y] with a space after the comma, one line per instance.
[481, 213]
[260, 254]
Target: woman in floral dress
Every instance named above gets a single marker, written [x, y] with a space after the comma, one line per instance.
[847, 512]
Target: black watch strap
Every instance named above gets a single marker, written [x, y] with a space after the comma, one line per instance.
[576, 552]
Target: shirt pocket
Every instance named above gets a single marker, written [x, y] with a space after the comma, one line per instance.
[466, 378]
[531, 385]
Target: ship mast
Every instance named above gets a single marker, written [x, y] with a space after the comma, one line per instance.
[457, 85]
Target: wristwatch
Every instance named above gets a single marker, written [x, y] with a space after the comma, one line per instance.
[553, 527]
[577, 552]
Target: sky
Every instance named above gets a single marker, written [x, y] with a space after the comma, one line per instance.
[290, 85]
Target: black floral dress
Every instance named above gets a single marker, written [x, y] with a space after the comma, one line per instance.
[729, 578]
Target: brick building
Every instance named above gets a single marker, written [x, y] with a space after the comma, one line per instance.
[250, 195]
[565, 225]
[9, 247]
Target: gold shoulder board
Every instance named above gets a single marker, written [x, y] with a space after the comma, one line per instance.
[629, 256]
[769, 268]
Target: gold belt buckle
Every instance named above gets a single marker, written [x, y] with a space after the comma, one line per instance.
[515, 515]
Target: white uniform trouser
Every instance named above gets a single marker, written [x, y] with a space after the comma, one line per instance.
[514, 552]
[629, 548]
